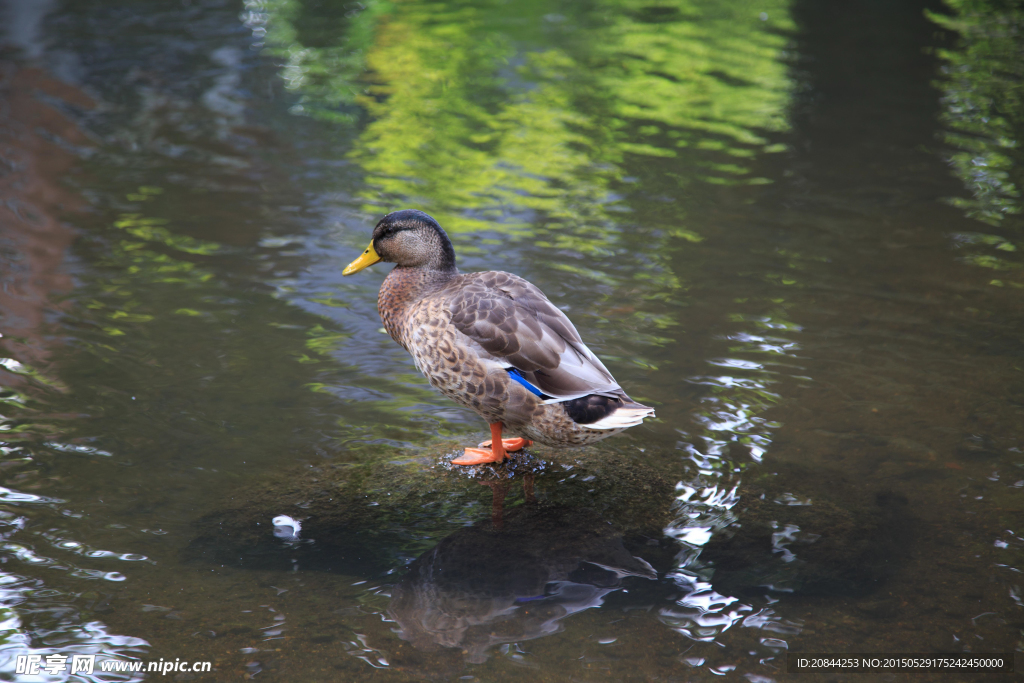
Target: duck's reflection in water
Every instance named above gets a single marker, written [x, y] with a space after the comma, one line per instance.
[513, 578]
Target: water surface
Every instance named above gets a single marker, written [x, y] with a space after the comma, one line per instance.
[793, 228]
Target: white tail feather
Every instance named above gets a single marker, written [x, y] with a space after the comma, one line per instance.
[622, 418]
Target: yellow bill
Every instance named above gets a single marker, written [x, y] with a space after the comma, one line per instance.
[367, 258]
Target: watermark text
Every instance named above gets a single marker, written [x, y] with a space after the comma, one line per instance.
[34, 665]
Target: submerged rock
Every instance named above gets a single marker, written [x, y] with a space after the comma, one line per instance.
[369, 519]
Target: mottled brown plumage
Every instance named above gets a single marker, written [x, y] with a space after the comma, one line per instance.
[468, 334]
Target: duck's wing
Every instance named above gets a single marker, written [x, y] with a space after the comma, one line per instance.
[516, 324]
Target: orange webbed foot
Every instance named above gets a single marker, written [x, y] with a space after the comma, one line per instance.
[478, 456]
[481, 456]
[515, 444]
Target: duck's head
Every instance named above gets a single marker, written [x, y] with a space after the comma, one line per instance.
[409, 238]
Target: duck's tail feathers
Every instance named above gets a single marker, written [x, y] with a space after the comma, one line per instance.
[629, 414]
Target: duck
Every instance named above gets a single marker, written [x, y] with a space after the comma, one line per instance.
[494, 343]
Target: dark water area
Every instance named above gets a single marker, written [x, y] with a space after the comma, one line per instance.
[791, 227]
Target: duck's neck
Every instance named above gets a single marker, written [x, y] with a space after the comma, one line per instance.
[402, 289]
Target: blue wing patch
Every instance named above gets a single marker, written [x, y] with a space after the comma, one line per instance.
[517, 376]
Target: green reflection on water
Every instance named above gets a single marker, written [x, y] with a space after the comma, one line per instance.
[534, 116]
[983, 88]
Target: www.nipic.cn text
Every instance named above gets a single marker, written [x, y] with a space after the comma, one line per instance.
[33, 665]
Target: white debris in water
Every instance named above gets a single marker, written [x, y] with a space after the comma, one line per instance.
[286, 527]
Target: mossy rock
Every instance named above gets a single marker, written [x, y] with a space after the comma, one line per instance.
[364, 519]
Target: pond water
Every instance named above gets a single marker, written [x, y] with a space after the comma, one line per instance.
[791, 227]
